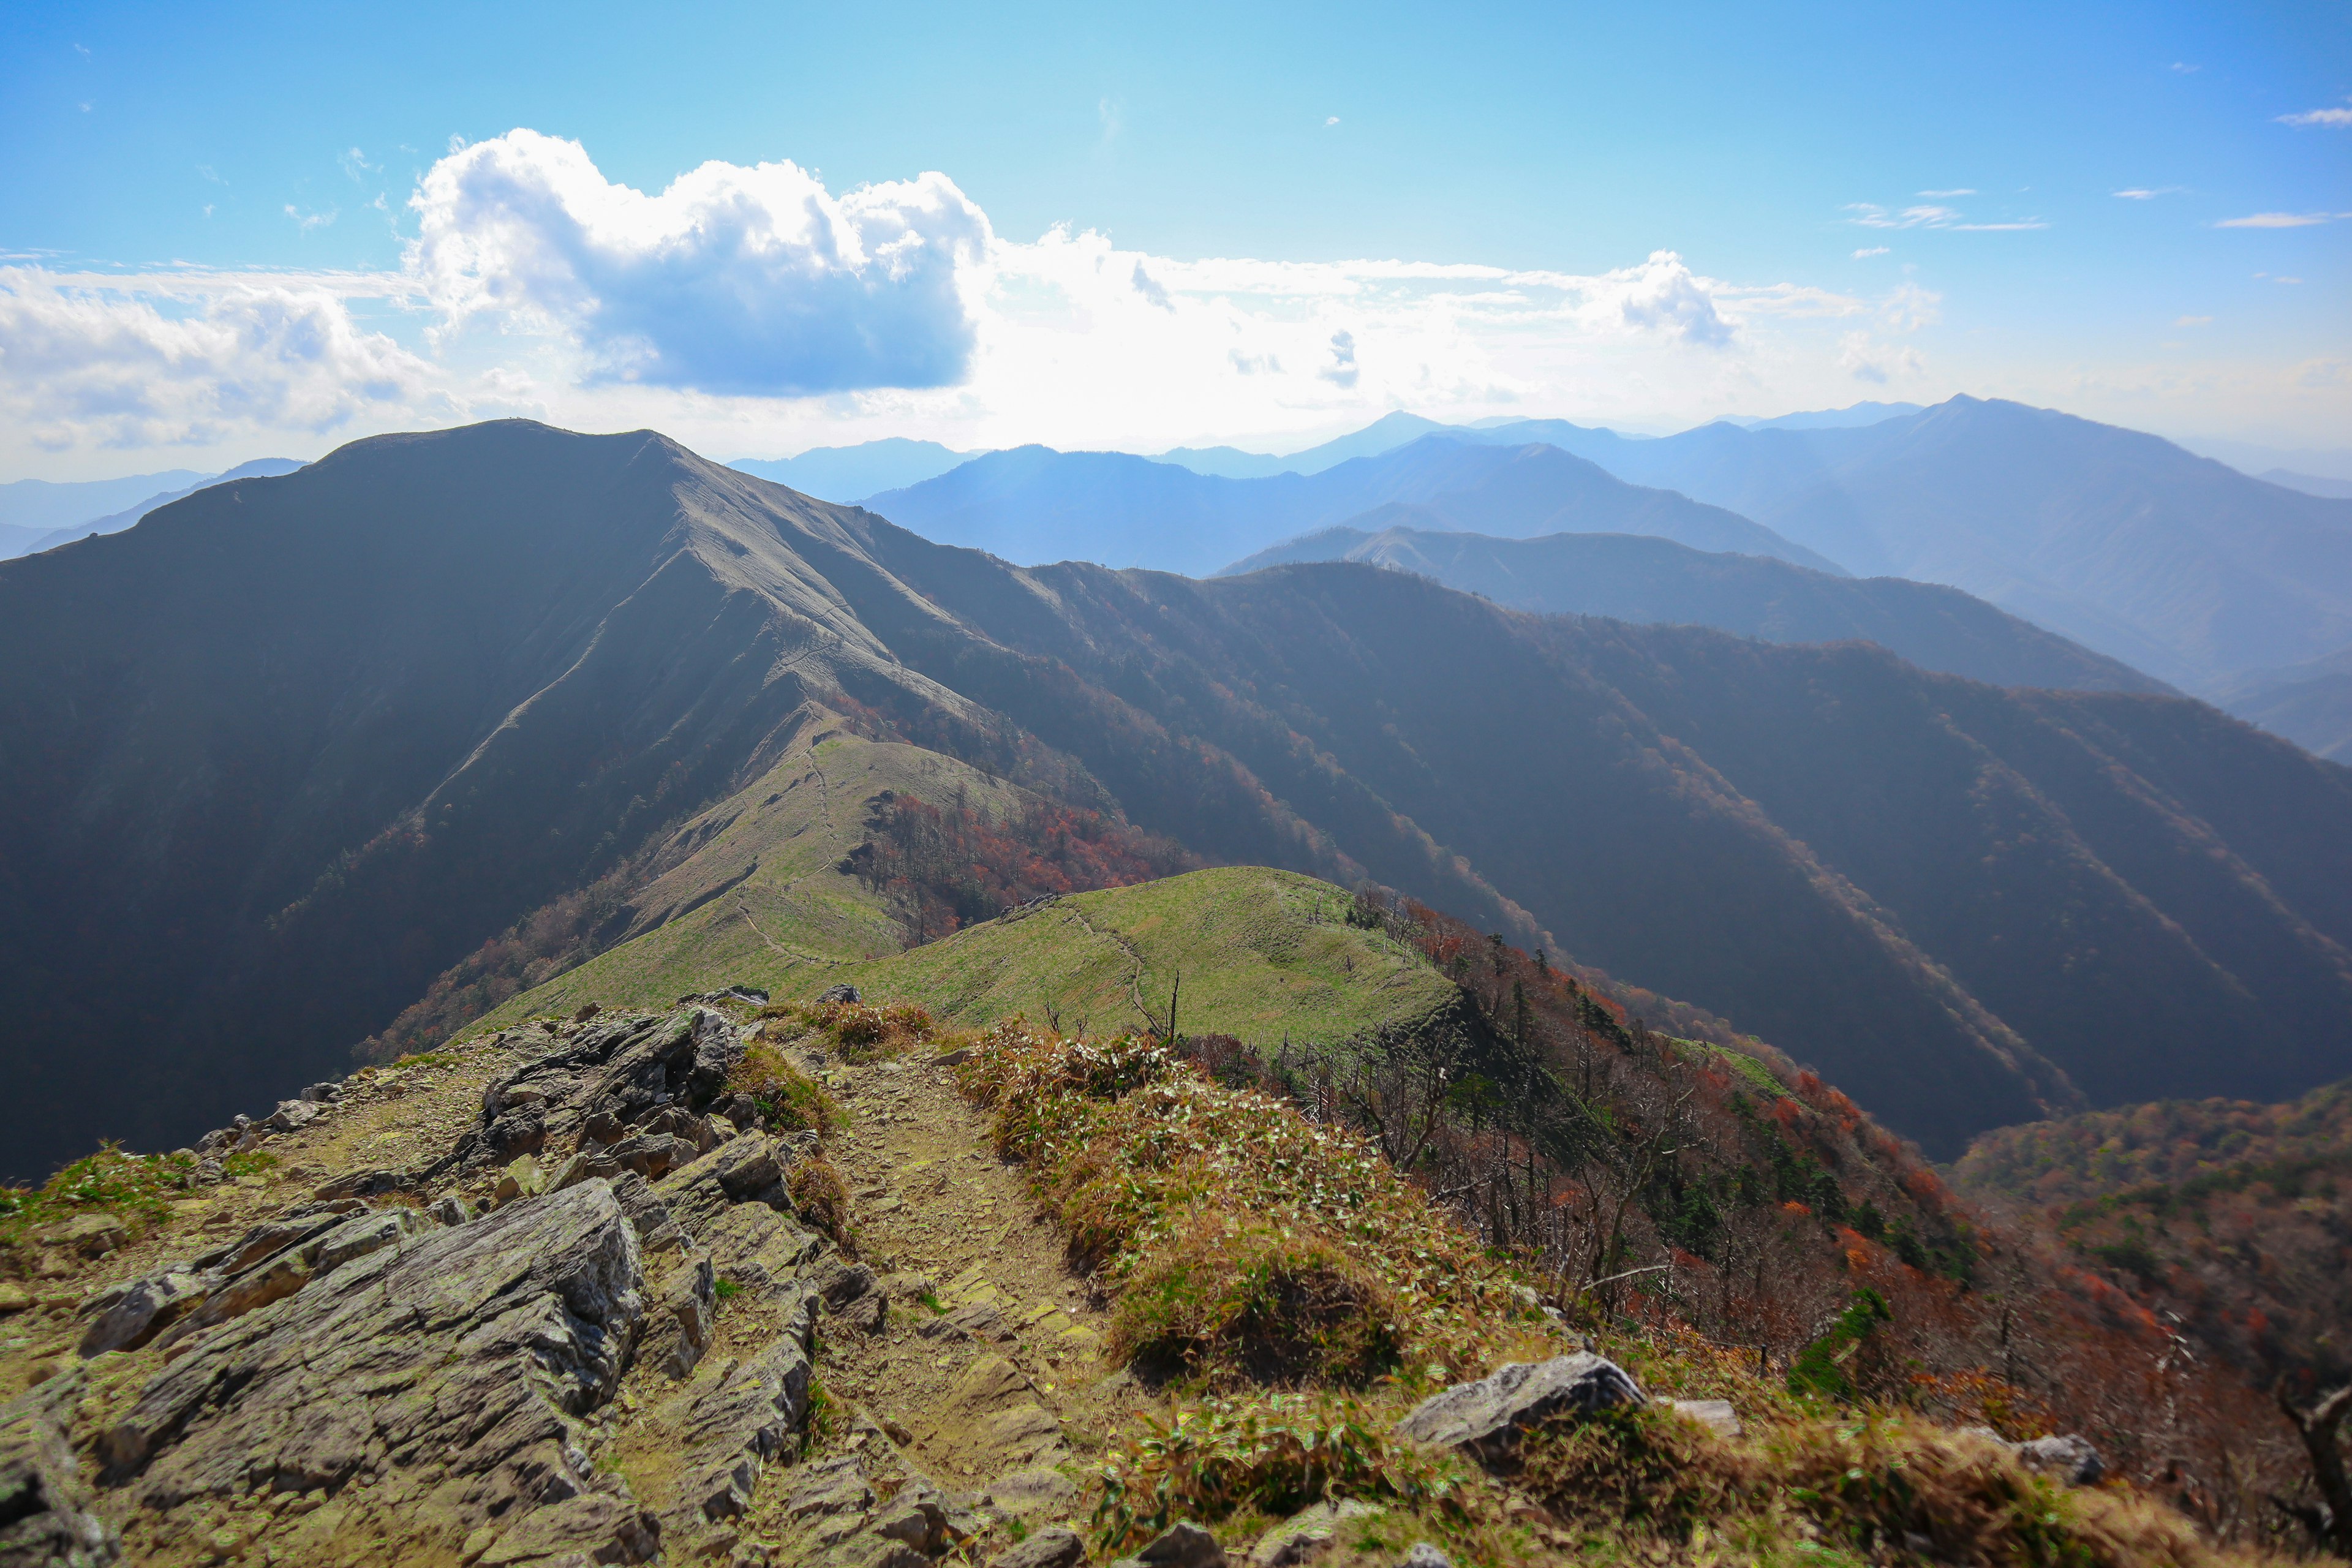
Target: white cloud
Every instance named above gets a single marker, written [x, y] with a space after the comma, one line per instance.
[132, 365]
[1869, 250]
[1909, 307]
[1876, 364]
[1330, 123]
[2336, 117]
[306, 222]
[1940, 195]
[2277, 220]
[1870, 215]
[2147, 194]
[732, 281]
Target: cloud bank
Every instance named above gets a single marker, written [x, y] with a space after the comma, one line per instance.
[752, 310]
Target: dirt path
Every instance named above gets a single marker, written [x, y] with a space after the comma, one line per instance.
[985, 1378]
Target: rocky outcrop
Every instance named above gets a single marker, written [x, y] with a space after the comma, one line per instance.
[427, 1390]
[1486, 1419]
[46, 1518]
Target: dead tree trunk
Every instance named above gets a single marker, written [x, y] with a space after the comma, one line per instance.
[2329, 1520]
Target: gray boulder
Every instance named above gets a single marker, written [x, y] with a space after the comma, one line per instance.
[442, 1377]
[1183, 1546]
[145, 1309]
[45, 1516]
[1487, 1418]
[728, 1422]
[2069, 1458]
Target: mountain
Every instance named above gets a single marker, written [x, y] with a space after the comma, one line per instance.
[1034, 504]
[276, 761]
[30, 509]
[2176, 564]
[1632, 578]
[1830, 418]
[2309, 484]
[2310, 703]
[1385, 434]
[847, 474]
[260, 467]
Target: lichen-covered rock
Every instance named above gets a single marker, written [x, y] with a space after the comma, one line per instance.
[727, 1423]
[1487, 1418]
[748, 1169]
[46, 1517]
[149, 1307]
[442, 1376]
[1055, 1546]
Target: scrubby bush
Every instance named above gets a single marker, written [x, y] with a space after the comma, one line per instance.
[821, 1199]
[1267, 1458]
[785, 1095]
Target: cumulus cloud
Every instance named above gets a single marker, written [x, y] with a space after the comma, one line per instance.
[733, 281]
[82, 361]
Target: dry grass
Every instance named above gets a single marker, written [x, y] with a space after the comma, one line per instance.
[822, 1198]
[860, 1033]
[1241, 1240]
[787, 1098]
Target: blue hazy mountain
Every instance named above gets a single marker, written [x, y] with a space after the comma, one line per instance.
[1650, 580]
[115, 523]
[1847, 418]
[848, 474]
[2177, 564]
[1032, 504]
[32, 508]
[1385, 434]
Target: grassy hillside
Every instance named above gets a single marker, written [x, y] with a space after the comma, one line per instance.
[758, 897]
[1250, 951]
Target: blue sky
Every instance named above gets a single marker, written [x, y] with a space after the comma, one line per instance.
[214, 247]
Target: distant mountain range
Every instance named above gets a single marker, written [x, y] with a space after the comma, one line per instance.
[274, 760]
[849, 474]
[1657, 580]
[71, 500]
[1032, 504]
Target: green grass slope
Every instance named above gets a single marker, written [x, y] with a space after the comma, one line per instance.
[760, 899]
[1260, 953]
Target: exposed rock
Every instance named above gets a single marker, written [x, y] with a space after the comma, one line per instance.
[1716, 1415]
[837, 994]
[729, 1420]
[841, 1281]
[678, 1330]
[13, 1299]
[45, 1508]
[1055, 1546]
[658, 1230]
[1486, 1419]
[145, 1309]
[1424, 1555]
[1183, 1544]
[282, 1273]
[744, 1170]
[2069, 1458]
[445, 1372]
[1305, 1537]
[293, 1115]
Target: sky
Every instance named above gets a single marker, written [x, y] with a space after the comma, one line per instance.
[243, 230]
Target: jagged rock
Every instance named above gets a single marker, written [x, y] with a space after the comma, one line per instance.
[728, 1422]
[45, 1508]
[837, 994]
[918, 1520]
[1025, 1492]
[744, 1170]
[1306, 1536]
[293, 1115]
[2069, 1458]
[521, 1179]
[1485, 1419]
[284, 1272]
[276, 1236]
[658, 1230]
[678, 1330]
[841, 1281]
[446, 1372]
[450, 1209]
[323, 1093]
[145, 1309]
[760, 1249]
[1716, 1415]
[1424, 1555]
[1055, 1546]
